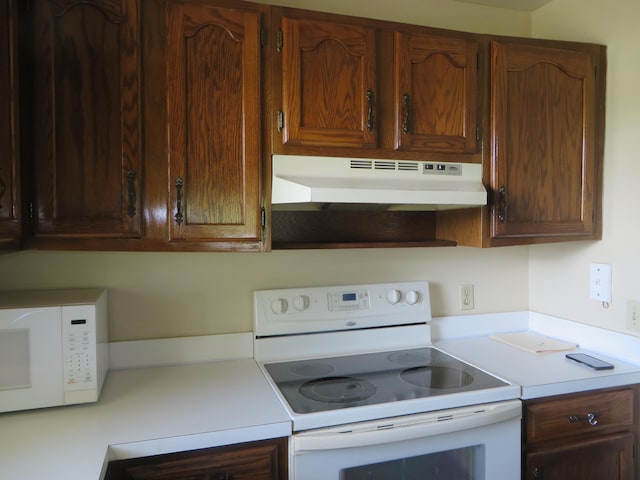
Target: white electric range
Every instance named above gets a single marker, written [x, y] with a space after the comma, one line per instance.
[370, 397]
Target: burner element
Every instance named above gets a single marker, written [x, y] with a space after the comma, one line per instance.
[436, 377]
[338, 389]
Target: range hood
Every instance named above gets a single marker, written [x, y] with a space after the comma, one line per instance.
[317, 183]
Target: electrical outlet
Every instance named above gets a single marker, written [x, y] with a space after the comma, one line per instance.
[466, 297]
[633, 315]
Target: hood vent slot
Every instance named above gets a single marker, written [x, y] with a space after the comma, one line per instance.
[408, 166]
[364, 164]
[384, 165]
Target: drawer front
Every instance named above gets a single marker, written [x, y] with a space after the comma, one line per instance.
[580, 414]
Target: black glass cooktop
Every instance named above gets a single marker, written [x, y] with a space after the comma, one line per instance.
[366, 379]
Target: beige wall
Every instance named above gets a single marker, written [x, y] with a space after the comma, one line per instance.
[155, 295]
[559, 274]
[179, 294]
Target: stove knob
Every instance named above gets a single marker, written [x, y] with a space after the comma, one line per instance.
[279, 306]
[393, 296]
[412, 297]
[301, 302]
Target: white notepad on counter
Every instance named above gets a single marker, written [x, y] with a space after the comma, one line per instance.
[534, 342]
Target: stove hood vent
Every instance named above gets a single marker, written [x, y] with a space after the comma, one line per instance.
[320, 183]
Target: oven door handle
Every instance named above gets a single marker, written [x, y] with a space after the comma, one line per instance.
[406, 428]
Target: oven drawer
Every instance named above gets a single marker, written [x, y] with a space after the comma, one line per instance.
[578, 414]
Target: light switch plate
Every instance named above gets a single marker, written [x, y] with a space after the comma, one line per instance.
[600, 282]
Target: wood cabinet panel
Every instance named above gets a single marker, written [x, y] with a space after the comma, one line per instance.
[545, 147]
[87, 122]
[264, 460]
[10, 191]
[436, 93]
[328, 84]
[544, 144]
[609, 457]
[565, 417]
[213, 104]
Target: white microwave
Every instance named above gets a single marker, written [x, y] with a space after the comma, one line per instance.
[53, 347]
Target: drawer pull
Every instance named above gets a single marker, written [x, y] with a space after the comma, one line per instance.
[591, 417]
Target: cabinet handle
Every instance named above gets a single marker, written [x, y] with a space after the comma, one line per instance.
[131, 185]
[3, 188]
[502, 203]
[406, 103]
[179, 216]
[591, 417]
[537, 473]
[370, 98]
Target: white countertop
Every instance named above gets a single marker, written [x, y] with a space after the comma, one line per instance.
[542, 374]
[163, 409]
[142, 412]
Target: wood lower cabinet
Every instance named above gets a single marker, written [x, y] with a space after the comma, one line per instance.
[584, 436]
[543, 164]
[263, 460]
[10, 191]
[86, 120]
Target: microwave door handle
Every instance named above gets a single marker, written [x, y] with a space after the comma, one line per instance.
[422, 427]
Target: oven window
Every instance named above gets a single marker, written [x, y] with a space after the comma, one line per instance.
[458, 464]
[14, 359]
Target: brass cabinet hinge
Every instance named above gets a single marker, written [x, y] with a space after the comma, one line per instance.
[30, 212]
[279, 40]
[280, 121]
[263, 219]
[478, 133]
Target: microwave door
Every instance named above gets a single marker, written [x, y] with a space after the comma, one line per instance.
[30, 339]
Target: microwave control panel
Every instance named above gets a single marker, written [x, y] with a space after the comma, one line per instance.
[79, 346]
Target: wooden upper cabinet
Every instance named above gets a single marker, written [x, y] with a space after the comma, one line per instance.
[86, 118]
[436, 93]
[546, 111]
[213, 109]
[329, 87]
[10, 222]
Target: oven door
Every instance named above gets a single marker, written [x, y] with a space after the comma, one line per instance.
[481, 442]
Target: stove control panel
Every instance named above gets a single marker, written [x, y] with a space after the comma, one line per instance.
[348, 300]
[321, 309]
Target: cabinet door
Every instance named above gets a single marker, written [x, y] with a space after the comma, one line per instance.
[328, 84]
[10, 224]
[436, 93]
[213, 101]
[86, 136]
[545, 174]
[265, 460]
[609, 457]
